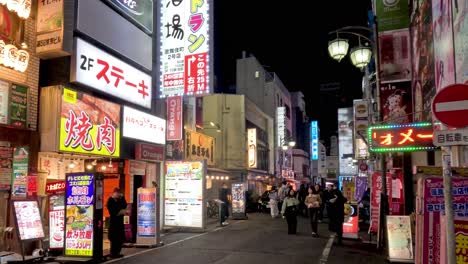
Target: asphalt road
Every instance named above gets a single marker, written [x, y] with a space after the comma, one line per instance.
[260, 239]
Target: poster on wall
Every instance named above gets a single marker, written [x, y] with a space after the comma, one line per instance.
[460, 33]
[183, 196]
[399, 238]
[79, 215]
[146, 216]
[238, 200]
[28, 220]
[4, 96]
[395, 56]
[6, 167]
[20, 172]
[56, 216]
[185, 48]
[89, 125]
[395, 99]
[18, 106]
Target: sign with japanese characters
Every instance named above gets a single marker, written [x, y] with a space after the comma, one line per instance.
[139, 11]
[54, 187]
[146, 216]
[89, 125]
[252, 147]
[149, 152]
[314, 137]
[456, 137]
[49, 28]
[399, 238]
[199, 146]
[281, 125]
[397, 138]
[461, 239]
[6, 169]
[18, 106]
[101, 71]
[143, 126]
[238, 199]
[20, 172]
[28, 220]
[183, 196]
[185, 47]
[79, 213]
[57, 219]
[174, 118]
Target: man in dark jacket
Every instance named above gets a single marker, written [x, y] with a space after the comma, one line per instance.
[336, 216]
[117, 208]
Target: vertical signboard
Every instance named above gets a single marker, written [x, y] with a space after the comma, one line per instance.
[146, 216]
[174, 118]
[395, 99]
[345, 146]
[395, 55]
[185, 47]
[460, 39]
[183, 196]
[399, 238]
[252, 147]
[79, 215]
[6, 169]
[4, 95]
[238, 200]
[56, 214]
[361, 123]
[18, 106]
[376, 190]
[351, 221]
[20, 172]
[199, 146]
[314, 137]
[392, 14]
[28, 220]
[281, 125]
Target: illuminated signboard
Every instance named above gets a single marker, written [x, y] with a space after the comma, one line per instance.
[89, 125]
[397, 138]
[79, 215]
[252, 147]
[143, 126]
[28, 220]
[314, 148]
[185, 47]
[199, 146]
[281, 125]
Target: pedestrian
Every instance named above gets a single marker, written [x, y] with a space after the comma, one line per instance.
[337, 214]
[289, 211]
[301, 196]
[327, 195]
[313, 202]
[282, 193]
[224, 196]
[322, 204]
[273, 195]
[117, 207]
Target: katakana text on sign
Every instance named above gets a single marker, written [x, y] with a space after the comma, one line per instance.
[411, 137]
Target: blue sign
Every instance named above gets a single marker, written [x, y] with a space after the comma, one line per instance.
[146, 217]
[314, 137]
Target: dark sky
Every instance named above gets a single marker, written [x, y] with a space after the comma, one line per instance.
[290, 38]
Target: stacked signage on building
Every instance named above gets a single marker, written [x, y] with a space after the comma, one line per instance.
[252, 147]
[345, 147]
[361, 123]
[314, 138]
[281, 125]
[143, 126]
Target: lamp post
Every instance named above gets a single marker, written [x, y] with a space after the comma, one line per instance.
[360, 57]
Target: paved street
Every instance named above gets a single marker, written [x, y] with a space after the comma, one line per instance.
[257, 240]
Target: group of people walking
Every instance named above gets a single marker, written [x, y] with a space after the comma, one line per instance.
[309, 202]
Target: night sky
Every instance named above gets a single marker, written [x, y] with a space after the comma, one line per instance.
[289, 38]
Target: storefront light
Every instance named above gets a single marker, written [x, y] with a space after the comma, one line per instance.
[212, 177]
[217, 177]
[89, 166]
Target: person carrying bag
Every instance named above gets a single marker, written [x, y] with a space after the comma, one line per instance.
[289, 211]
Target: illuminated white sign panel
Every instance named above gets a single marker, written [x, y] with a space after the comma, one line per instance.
[314, 146]
[281, 125]
[97, 69]
[185, 47]
[252, 147]
[140, 125]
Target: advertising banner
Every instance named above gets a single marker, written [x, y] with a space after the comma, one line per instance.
[461, 235]
[199, 146]
[392, 14]
[89, 125]
[143, 126]
[399, 238]
[351, 221]
[138, 11]
[314, 138]
[174, 118]
[395, 55]
[56, 216]
[18, 106]
[28, 220]
[460, 33]
[361, 187]
[238, 200]
[4, 96]
[345, 134]
[444, 60]
[101, 71]
[146, 217]
[20, 172]
[185, 48]
[149, 152]
[395, 99]
[6, 167]
[79, 202]
[376, 190]
[252, 147]
[183, 196]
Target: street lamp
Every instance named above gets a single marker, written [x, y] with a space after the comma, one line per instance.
[338, 48]
[361, 56]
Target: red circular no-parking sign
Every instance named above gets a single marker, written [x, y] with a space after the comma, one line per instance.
[450, 105]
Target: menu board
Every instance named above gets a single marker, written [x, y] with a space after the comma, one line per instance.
[183, 197]
[18, 106]
[238, 198]
[28, 220]
[400, 244]
[56, 221]
[146, 217]
[6, 170]
[79, 215]
[20, 171]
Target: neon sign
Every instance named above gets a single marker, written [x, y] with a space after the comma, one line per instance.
[397, 138]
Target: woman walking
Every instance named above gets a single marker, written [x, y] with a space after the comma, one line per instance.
[273, 195]
[313, 202]
[290, 210]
